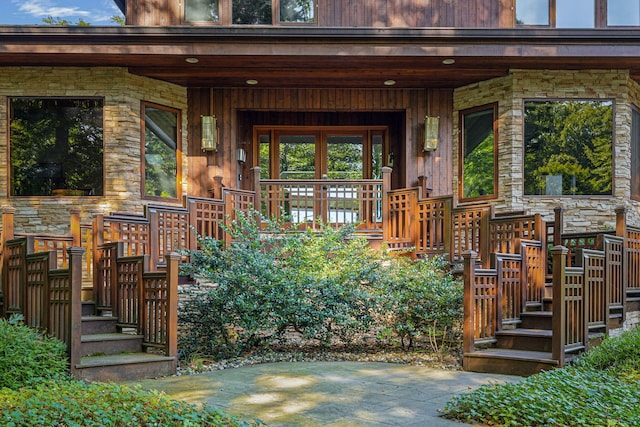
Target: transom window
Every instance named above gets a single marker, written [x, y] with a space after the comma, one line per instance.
[314, 153]
[568, 147]
[160, 151]
[250, 12]
[577, 13]
[56, 146]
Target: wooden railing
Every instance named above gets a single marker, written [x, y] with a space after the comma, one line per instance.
[323, 201]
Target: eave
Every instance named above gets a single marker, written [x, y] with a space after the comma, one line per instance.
[319, 57]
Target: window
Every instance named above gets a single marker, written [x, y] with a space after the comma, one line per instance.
[568, 147]
[250, 12]
[161, 136]
[56, 146]
[635, 154]
[556, 13]
[623, 12]
[296, 10]
[202, 11]
[478, 147]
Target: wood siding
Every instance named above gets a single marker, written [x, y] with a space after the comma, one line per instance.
[358, 13]
[403, 110]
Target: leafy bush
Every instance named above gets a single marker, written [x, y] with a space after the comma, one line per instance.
[27, 357]
[73, 403]
[325, 284]
[423, 300]
[600, 389]
[620, 356]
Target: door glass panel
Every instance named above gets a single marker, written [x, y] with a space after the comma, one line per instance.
[344, 157]
[265, 157]
[297, 157]
[575, 14]
[623, 12]
[376, 156]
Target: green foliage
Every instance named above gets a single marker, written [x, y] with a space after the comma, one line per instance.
[50, 20]
[600, 389]
[423, 300]
[73, 403]
[27, 358]
[327, 285]
[619, 356]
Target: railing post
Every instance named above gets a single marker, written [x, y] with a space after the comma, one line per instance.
[8, 213]
[386, 187]
[97, 237]
[447, 219]
[75, 279]
[154, 238]
[228, 215]
[469, 260]
[558, 225]
[74, 227]
[172, 304]
[621, 221]
[559, 319]
[255, 186]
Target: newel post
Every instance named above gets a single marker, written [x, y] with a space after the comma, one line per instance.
[559, 319]
[74, 227]
[558, 224]
[8, 213]
[469, 328]
[255, 186]
[173, 260]
[386, 187]
[75, 304]
[621, 221]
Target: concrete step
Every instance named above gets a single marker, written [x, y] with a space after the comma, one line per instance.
[508, 362]
[536, 319]
[99, 325]
[125, 367]
[114, 343]
[524, 339]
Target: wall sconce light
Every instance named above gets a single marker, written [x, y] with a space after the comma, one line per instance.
[242, 155]
[209, 133]
[431, 128]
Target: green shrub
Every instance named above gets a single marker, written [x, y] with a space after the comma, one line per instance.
[73, 403]
[328, 285]
[560, 397]
[422, 300]
[620, 356]
[27, 357]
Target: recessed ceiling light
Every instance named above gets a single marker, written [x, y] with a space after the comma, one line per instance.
[448, 61]
[192, 60]
[252, 82]
[389, 82]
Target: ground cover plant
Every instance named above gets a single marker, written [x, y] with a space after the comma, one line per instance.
[600, 389]
[36, 390]
[322, 287]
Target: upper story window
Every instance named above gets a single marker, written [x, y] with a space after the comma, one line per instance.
[250, 12]
[577, 13]
[623, 12]
[556, 13]
[478, 147]
[568, 147]
[160, 151]
[56, 146]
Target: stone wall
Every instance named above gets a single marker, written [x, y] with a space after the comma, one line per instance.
[122, 93]
[581, 212]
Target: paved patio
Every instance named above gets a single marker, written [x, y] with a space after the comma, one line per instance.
[329, 393]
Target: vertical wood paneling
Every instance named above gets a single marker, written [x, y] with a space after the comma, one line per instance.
[403, 110]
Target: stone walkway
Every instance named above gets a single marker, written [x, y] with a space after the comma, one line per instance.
[329, 393]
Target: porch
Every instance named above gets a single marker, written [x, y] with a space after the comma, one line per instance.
[109, 289]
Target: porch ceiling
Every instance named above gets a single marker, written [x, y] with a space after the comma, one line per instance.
[319, 57]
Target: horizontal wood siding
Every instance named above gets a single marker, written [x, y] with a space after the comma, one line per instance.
[403, 110]
[358, 13]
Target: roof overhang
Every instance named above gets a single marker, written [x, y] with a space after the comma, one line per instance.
[319, 57]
